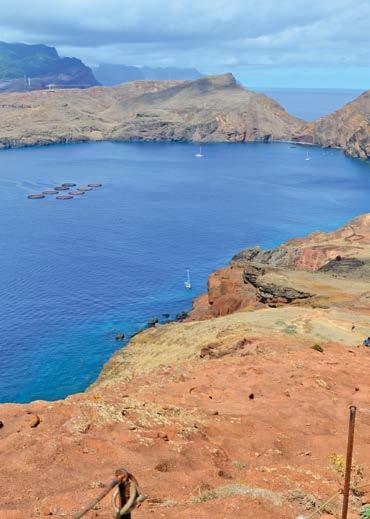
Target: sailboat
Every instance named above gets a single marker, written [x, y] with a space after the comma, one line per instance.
[199, 154]
[187, 283]
[307, 156]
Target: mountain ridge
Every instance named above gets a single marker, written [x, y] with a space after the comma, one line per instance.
[111, 75]
[210, 109]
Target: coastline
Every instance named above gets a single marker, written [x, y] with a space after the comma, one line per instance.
[230, 151]
[63, 141]
[166, 111]
[246, 399]
[224, 296]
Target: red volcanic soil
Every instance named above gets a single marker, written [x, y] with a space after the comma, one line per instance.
[255, 433]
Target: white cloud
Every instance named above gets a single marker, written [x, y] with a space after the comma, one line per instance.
[203, 33]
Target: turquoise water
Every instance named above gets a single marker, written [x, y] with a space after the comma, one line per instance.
[74, 273]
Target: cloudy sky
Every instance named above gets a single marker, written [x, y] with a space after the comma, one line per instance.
[315, 43]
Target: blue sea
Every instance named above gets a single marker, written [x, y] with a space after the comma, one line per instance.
[310, 104]
[75, 273]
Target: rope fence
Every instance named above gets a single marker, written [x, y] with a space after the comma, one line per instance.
[126, 496]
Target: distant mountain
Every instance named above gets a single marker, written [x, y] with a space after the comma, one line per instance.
[171, 73]
[31, 67]
[109, 74]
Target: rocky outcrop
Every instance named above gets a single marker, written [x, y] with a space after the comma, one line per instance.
[315, 250]
[249, 286]
[347, 128]
[271, 293]
[212, 109]
[343, 266]
[256, 276]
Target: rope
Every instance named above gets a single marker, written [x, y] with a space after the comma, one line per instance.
[93, 503]
[321, 507]
[125, 485]
[337, 494]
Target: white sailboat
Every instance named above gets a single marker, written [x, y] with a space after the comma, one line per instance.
[307, 156]
[187, 283]
[199, 154]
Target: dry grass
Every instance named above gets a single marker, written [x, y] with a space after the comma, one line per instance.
[176, 343]
[239, 490]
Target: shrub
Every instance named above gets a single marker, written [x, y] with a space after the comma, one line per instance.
[365, 512]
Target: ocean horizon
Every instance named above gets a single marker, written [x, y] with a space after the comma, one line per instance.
[309, 104]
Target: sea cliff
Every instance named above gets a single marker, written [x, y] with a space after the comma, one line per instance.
[348, 128]
[24, 68]
[210, 109]
[240, 410]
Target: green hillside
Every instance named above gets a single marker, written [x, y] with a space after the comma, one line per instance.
[18, 60]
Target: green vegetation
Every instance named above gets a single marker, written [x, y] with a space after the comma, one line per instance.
[338, 465]
[291, 329]
[18, 60]
[365, 512]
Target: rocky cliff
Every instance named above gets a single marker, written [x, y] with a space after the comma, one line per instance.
[209, 109]
[347, 128]
[243, 415]
[256, 276]
[24, 68]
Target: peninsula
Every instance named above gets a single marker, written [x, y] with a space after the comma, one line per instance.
[209, 109]
[347, 128]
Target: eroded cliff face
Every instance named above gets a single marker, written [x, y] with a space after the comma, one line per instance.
[257, 276]
[315, 250]
[240, 415]
[347, 128]
[212, 109]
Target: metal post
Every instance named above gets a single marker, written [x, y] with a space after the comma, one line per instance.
[347, 477]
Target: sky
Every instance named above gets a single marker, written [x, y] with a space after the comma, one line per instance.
[264, 43]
